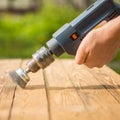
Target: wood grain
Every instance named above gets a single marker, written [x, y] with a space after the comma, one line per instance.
[57, 76]
[96, 97]
[64, 101]
[110, 80]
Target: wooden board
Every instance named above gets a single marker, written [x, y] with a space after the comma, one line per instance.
[64, 101]
[57, 76]
[7, 88]
[31, 103]
[110, 80]
[86, 89]
[62, 91]
[97, 99]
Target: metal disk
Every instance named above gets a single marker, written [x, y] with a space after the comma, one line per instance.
[19, 77]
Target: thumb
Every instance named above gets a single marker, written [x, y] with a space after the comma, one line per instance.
[81, 54]
[84, 48]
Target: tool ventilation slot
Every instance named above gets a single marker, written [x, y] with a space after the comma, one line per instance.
[82, 37]
[113, 15]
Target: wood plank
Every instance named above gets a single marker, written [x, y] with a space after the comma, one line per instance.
[65, 104]
[31, 103]
[96, 98]
[109, 79]
[7, 88]
[64, 101]
[57, 76]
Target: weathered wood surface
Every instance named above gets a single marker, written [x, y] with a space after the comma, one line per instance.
[63, 91]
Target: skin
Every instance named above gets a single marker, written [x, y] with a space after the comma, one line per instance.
[100, 45]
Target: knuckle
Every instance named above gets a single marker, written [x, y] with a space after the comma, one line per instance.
[78, 62]
[89, 65]
[99, 66]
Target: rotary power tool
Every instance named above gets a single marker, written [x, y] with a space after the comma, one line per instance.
[67, 38]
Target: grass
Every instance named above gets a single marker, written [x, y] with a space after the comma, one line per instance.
[20, 36]
[115, 63]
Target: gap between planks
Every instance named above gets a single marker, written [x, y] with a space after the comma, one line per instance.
[9, 117]
[47, 96]
[7, 88]
[63, 98]
[31, 103]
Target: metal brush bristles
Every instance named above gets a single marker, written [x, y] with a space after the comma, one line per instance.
[19, 77]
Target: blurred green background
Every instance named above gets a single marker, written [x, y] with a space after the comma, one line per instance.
[26, 25]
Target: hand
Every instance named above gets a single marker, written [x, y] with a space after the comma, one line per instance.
[100, 46]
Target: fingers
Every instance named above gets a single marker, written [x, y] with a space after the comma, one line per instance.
[83, 50]
[81, 54]
[86, 54]
[98, 65]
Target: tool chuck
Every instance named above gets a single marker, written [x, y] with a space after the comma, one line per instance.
[41, 59]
